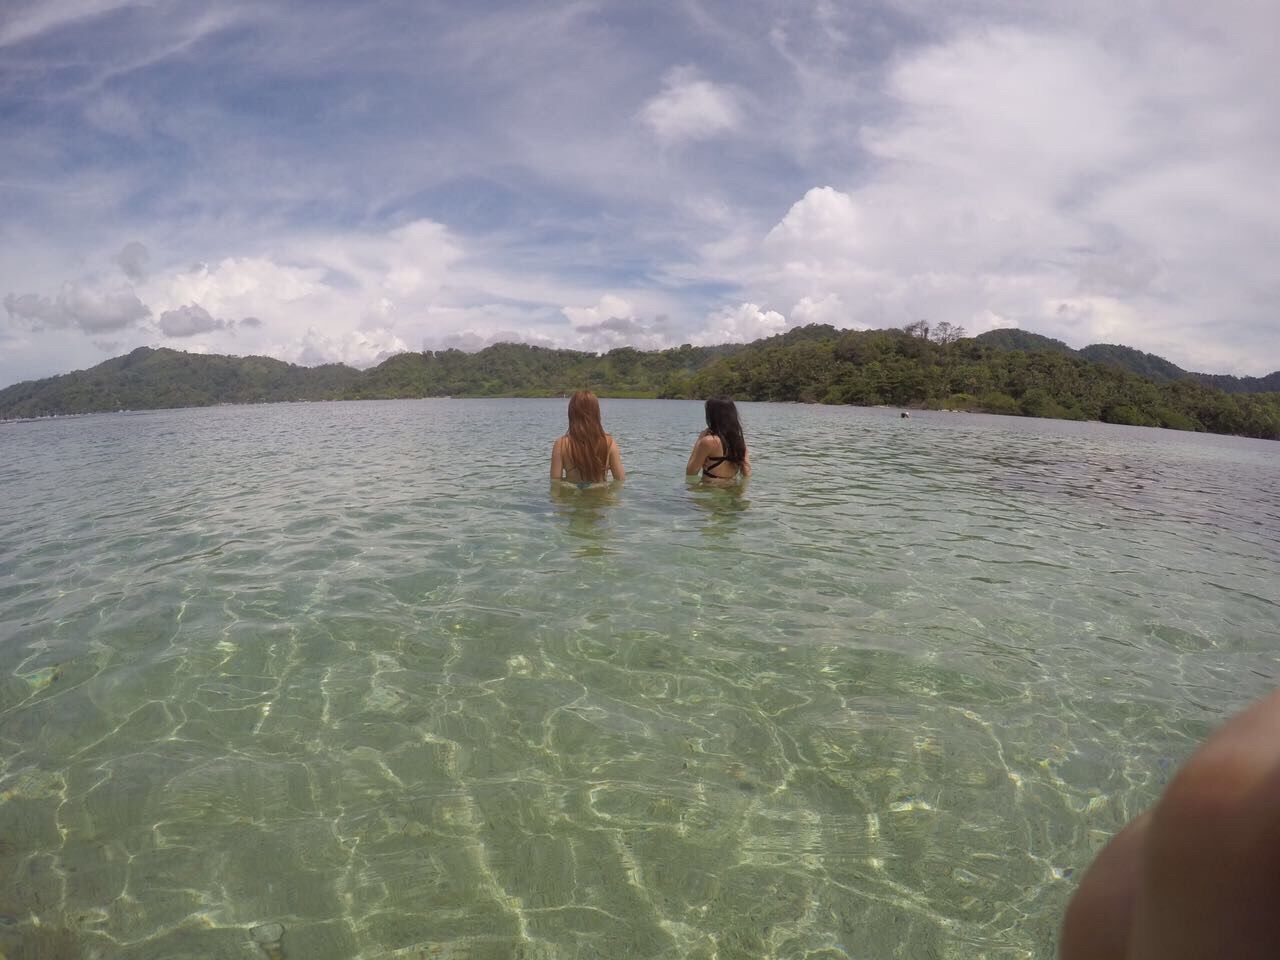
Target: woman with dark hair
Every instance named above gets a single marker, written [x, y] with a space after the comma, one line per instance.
[720, 452]
[585, 453]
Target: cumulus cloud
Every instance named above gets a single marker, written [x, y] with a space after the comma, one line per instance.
[133, 259]
[239, 284]
[354, 298]
[823, 219]
[356, 348]
[1089, 171]
[92, 311]
[654, 334]
[691, 108]
[745, 322]
[189, 320]
[613, 322]
[829, 309]
[609, 307]
[1038, 178]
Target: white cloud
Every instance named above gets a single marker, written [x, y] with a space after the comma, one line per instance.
[614, 322]
[740, 324]
[356, 348]
[337, 298]
[237, 285]
[823, 219]
[609, 307]
[690, 108]
[830, 309]
[614, 332]
[985, 163]
[1043, 180]
[352, 298]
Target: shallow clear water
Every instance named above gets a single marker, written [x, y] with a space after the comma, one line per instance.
[358, 670]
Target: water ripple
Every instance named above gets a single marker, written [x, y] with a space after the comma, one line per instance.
[337, 680]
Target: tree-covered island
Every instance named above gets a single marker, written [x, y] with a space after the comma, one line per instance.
[1004, 371]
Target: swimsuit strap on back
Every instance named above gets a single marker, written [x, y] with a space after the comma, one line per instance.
[710, 464]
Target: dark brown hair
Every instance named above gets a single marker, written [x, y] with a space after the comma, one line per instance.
[722, 421]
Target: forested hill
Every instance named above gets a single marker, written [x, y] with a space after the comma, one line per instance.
[899, 368]
[151, 378]
[817, 363]
[1135, 361]
[1011, 338]
[148, 379]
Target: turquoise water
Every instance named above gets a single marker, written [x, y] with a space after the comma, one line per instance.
[354, 680]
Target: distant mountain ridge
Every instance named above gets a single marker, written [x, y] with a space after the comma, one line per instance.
[1148, 365]
[151, 378]
[156, 378]
[1004, 371]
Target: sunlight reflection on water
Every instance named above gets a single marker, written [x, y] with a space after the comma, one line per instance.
[354, 670]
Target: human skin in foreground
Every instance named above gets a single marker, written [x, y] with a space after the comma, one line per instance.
[1197, 877]
[585, 454]
[720, 452]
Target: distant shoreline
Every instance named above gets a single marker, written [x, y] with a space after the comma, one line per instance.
[916, 369]
[913, 408]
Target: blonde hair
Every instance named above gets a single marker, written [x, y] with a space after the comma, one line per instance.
[587, 442]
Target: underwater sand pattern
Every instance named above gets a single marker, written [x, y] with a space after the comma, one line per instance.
[349, 680]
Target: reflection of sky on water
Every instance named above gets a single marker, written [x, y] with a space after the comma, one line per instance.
[585, 511]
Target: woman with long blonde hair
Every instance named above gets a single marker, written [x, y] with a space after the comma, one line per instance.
[585, 454]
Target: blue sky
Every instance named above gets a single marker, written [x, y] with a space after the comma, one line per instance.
[341, 181]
